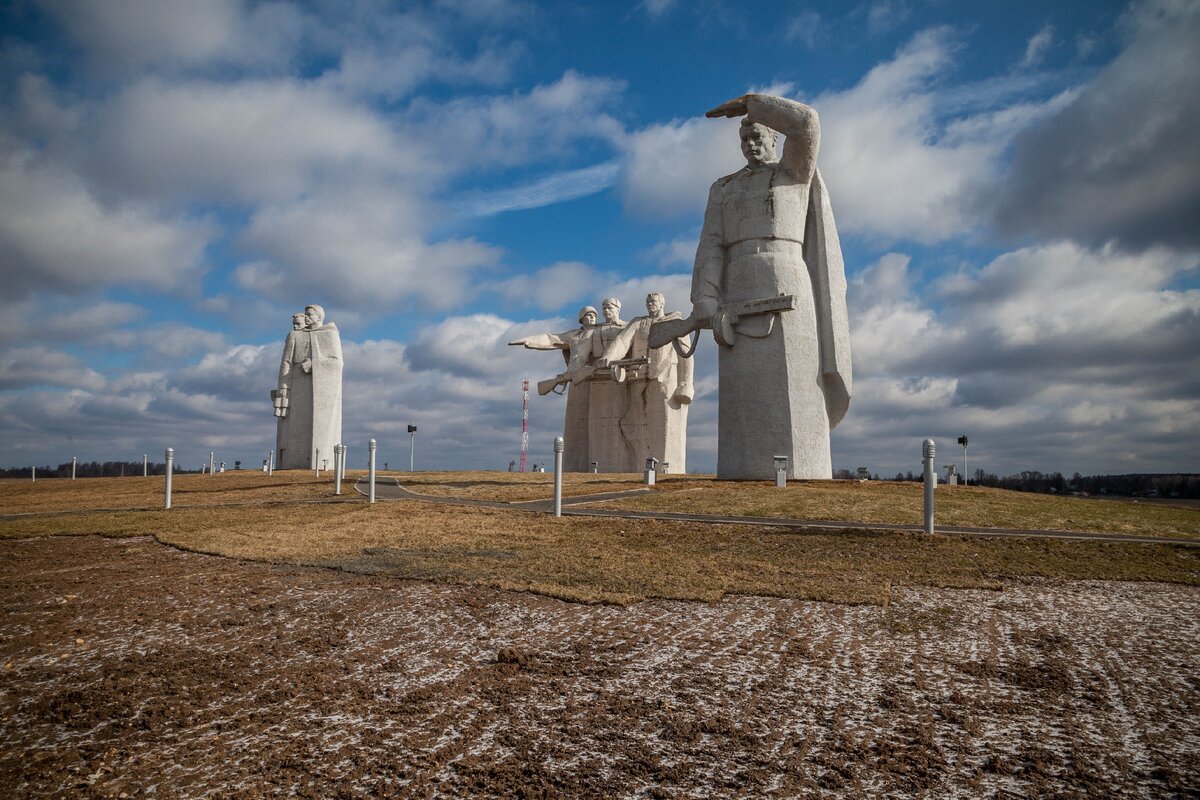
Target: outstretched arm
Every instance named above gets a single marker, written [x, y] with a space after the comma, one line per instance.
[796, 121]
[544, 341]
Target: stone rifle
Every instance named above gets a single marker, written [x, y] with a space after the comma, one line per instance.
[723, 323]
[583, 373]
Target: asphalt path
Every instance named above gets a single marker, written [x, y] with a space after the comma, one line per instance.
[390, 489]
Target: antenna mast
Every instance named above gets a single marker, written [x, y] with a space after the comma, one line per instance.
[524, 425]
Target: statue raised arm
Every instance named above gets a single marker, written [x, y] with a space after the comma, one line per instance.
[769, 280]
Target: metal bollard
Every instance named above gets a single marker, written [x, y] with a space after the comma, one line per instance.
[33, 474]
[558, 466]
[212, 463]
[927, 450]
[337, 469]
[73, 460]
[167, 489]
[145, 465]
[345, 452]
[271, 463]
[781, 466]
[371, 468]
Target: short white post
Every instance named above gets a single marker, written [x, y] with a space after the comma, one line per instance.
[145, 465]
[650, 473]
[73, 460]
[33, 474]
[345, 452]
[271, 463]
[781, 466]
[212, 463]
[371, 468]
[317, 462]
[558, 467]
[337, 469]
[595, 466]
[927, 450]
[169, 469]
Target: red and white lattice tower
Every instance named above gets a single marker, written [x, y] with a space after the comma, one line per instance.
[524, 425]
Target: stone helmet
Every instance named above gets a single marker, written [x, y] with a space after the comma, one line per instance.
[583, 312]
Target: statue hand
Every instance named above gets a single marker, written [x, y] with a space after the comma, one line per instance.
[702, 314]
[732, 108]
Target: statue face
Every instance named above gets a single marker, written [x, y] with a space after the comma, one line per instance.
[589, 318]
[612, 313]
[312, 317]
[297, 322]
[654, 305]
[757, 146]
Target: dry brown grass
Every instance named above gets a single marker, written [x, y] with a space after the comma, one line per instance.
[242, 486]
[899, 502]
[512, 487]
[848, 501]
[609, 560]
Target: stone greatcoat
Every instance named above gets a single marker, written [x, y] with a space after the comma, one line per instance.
[311, 368]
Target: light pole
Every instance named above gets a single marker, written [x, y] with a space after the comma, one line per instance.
[928, 450]
[371, 468]
[337, 468]
[170, 467]
[412, 446]
[558, 468]
[966, 472]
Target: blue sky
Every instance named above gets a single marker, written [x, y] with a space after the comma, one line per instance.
[1017, 188]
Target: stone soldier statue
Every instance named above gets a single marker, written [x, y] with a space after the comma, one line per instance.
[310, 393]
[608, 445]
[659, 392]
[577, 349]
[770, 283]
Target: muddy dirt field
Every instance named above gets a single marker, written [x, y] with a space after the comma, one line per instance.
[129, 669]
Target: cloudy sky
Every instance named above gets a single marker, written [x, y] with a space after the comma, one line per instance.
[1017, 187]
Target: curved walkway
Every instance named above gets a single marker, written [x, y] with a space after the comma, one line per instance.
[394, 491]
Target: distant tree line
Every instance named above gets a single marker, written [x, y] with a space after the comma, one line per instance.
[1134, 485]
[90, 469]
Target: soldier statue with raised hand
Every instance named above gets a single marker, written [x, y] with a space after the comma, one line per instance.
[770, 283]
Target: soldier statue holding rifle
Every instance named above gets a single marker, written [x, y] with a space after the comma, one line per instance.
[770, 283]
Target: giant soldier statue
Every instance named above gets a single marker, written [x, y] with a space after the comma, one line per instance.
[770, 282]
[308, 400]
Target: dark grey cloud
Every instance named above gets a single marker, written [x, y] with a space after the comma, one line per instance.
[1121, 160]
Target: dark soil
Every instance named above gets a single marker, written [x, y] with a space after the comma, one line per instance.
[130, 669]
